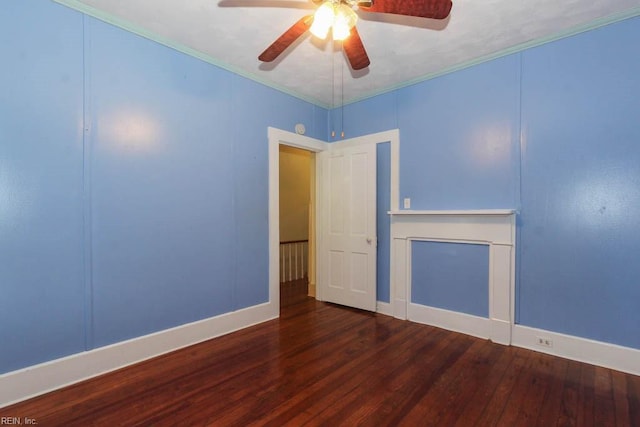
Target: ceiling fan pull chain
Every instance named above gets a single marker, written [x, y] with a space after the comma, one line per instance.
[342, 93]
[333, 86]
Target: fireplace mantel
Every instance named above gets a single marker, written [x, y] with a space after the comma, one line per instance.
[493, 227]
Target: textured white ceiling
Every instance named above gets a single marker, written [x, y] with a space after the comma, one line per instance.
[232, 33]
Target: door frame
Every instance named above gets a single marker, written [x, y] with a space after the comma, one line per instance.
[279, 137]
[276, 138]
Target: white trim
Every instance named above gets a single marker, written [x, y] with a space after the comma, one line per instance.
[39, 379]
[598, 353]
[277, 137]
[291, 139]
[455, 212]
[451, 320]
[399, 270]
[384, 308]
[395, 170]
[498, 231]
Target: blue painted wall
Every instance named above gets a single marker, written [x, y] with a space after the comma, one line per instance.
[458, 136]
[580, 233]
[156, 215]
[452, 276]
[383, 221]
[41, 187]
[573, 174]
[377, 114]
[159, 149]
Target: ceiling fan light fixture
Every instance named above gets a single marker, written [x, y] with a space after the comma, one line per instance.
[323, 20]
[345, 19]
[339, 15]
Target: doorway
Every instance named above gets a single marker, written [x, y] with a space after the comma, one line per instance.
[396, 304]
[297, 224]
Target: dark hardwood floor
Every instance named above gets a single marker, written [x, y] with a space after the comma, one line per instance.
[325, 365]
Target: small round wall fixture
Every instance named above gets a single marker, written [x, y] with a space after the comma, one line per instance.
[300, 129]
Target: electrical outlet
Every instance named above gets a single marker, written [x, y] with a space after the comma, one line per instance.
[544, 342]
[407, 203]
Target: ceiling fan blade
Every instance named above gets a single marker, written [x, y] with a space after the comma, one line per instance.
[286, 39]
[435, 9]
[354, 49]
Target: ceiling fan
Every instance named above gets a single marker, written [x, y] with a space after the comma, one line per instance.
[340, 17]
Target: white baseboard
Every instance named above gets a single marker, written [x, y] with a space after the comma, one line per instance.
[384, 308]
[400, 308]
[451, 320]
[500, 332]
[45, 377]
[598, 353]
[624, 359]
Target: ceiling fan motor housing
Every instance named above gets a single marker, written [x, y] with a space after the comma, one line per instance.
[349, 2]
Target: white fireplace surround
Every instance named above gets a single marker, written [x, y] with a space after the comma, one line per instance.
[495, 228]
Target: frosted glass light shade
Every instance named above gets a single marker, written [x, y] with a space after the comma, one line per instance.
[345, 19]
[323, 20]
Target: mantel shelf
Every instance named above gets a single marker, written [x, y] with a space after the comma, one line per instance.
[455, 212]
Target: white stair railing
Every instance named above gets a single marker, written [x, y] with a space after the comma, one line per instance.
[294, 262]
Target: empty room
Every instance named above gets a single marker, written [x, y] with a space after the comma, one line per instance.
[320, 212]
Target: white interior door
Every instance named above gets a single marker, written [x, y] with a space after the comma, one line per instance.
[349, 225]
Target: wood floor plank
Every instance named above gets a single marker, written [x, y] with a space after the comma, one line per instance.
[321, 364]
[496, 405]
[541, 380]
[604, 407]
[460, 392]
[550, 411]
[586, 396]
[633, 397]
[620, 400]
[442, 404]
[518, 394]
[484, 391]
[569, 407]
[426, 377]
